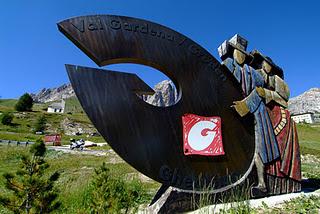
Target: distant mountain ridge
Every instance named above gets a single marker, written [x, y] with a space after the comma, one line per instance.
[166, 95]
[308, 101]
[52, 94]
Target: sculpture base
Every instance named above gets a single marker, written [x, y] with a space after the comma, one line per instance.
[173, 200]
[277, 185]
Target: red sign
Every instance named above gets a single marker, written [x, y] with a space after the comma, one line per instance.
[202, 135]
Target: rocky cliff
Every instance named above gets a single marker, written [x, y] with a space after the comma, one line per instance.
[309, 101]
[53, 94]
[166, 95]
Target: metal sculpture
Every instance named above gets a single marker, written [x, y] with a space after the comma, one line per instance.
[151, 138]
[236, 109]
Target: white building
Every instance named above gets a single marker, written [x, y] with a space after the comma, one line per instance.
[316, 117]
[307, 117]
[57, 107]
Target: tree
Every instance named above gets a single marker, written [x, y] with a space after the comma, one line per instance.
[7, 118]
[40, 124]
[111, 194]
[24, 103]
[30, 190]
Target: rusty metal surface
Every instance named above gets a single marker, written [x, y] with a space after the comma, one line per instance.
[147, 137]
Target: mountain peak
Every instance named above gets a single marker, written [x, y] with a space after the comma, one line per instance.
[52, 94]
[166, 95]
[309, 101]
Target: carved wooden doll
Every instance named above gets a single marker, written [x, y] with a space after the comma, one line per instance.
[284, 174]
[236, 59]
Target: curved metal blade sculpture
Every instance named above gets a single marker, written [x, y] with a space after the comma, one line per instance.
[150, 138]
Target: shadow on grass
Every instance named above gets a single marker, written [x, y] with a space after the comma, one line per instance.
[310, 184]
[14, 125]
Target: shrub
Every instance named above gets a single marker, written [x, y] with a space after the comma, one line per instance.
[24, 103]
[30, 190]
[7, 118]
[111, 194]
[40, 124]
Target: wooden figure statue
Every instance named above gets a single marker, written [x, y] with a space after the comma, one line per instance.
[284, 174]
[277, 157]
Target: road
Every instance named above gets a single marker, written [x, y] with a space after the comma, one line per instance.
[65, 149]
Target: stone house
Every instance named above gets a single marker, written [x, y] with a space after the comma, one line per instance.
[57, 107]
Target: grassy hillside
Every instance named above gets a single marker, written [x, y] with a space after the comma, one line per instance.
[76, 174]
[73, 105]
[309, 135]
[24, 122]
[77, 170]
[7, 104]
[309, 138]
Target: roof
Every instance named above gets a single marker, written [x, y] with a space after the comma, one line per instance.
[52, 138]
[56, 105]
[302, 113]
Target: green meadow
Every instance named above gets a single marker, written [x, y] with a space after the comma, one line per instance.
[77, 169]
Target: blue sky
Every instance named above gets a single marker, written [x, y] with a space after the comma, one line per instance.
[33, 52]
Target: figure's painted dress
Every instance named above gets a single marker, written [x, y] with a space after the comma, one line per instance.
[289, 164]
[266, 142]
[276, 99]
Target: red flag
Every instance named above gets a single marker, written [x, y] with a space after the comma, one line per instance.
[202, 135]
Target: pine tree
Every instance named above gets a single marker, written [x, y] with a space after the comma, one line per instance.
[7, 118]
[29, 189]
[112, 194]
[40, 124]
[24, 103]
